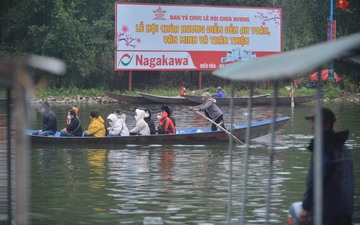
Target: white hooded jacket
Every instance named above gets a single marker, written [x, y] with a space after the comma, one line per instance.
[125, 130]
[141, 127]
[116, 126]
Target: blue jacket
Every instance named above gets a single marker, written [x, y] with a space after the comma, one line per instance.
[338, 177]
[220, 94]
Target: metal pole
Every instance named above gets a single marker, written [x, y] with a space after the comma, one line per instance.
[8, 113]
[230, 154]
[246, 164]
[331, 67]
[271, 152]
[318, 178]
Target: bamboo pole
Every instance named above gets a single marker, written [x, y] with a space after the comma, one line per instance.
[218, 125]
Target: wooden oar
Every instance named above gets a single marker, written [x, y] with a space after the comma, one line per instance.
[218, 125]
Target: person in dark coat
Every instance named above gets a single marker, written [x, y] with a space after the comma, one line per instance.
[49, 121]
[74, 127]
[149, 121]
[338, 176]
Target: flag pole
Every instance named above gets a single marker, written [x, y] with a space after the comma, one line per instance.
[331, 69]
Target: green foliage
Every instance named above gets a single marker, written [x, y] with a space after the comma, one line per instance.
[332, 90]
[350, 86]
[69, 92]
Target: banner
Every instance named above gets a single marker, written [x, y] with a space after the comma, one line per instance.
[187, 37]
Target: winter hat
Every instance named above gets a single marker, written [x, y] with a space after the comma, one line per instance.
[112, 117]
[140, 114]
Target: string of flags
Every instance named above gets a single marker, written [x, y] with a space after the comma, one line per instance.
[343, 4]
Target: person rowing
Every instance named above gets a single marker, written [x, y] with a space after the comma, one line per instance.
[211, 110]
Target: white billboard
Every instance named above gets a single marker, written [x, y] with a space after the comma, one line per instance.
[187, 37]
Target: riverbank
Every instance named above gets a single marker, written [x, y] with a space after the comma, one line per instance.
[79, 99]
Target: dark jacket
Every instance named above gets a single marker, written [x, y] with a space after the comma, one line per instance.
[74, 127]
[151, 124]
[166, 126]
[338, 177]
[49, 121]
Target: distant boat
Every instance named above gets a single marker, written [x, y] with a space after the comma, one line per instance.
[256, 100]
[182, 136]
[180, 100]
[127, 99]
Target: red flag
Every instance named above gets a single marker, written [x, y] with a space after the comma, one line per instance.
[343, 4]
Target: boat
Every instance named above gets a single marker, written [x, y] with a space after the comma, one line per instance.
[180, 100]
[255, 101]
[182, 136]
[127, 99]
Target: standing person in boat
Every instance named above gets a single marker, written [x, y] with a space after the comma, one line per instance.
[117, 126]
[337, 176]
[220, 92]
[74, 127]
[77, 113]
[149, 121]
[49, 126]
[122, 118]
[96, 127]
[166, 124]
[211, 110]
[141, 127]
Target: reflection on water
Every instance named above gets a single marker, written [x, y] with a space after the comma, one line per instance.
[96, 161]
[181, 184]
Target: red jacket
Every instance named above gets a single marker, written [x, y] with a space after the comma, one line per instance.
[166, 126]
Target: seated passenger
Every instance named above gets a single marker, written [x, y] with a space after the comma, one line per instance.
[76, 109]
[116, 126]
[149, 121]
[182, 90]
[74, 127]
[96, 127]
[122, 118]
[169, 111]
[141, 128]
[119, 114]
[166, 125]
[49, 125]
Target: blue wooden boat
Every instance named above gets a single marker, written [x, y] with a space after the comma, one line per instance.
[182, 136]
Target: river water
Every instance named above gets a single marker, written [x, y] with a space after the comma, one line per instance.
[177, 184]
